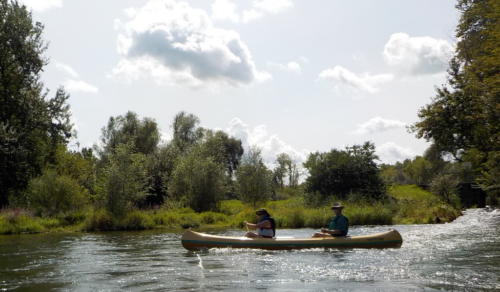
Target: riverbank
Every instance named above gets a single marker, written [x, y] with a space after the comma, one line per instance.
[407, 204]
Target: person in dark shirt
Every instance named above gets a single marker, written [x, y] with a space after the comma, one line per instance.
[266, 227]
[339, 225]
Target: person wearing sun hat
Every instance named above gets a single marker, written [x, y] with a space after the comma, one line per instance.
[266, 227]
[339, 225]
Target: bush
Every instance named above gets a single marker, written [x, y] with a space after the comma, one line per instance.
[136, 220]
[52, 194]
[100, 220]
[212, 217]
[231, 207]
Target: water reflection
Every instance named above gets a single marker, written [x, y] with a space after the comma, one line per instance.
[463, 255]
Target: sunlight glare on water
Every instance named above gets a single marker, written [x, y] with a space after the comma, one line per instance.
[463, 255]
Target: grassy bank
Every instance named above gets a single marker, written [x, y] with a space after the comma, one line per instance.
[407, 205]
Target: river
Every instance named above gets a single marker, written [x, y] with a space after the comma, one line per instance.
[462, 255]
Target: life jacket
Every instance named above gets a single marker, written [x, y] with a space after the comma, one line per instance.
[273, 224]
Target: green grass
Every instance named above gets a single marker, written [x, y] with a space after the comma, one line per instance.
[407, 205]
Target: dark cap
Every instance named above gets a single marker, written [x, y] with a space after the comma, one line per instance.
[261, 211]
[337, 205]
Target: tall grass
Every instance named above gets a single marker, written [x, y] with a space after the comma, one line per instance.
[407, 205]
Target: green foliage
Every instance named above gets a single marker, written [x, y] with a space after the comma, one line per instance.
[100, 220]
[462, 118]
[223, 149]
[124, 180]
[136, 220]
[31, 125]
[198, 180]
[160, 167]
[419, 171]
[445, 186]
[52, 194]
[415, 206]
[142, 136]
[231, 207]
[341, 172]
[186, 131]
[254, 179]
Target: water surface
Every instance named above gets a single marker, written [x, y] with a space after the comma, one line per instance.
[463, 255]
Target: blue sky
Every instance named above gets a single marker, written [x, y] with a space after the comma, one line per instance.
[284, 75]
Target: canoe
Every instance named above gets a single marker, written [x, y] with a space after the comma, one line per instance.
[192, 240]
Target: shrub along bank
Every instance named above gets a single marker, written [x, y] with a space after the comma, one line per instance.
[406, 205]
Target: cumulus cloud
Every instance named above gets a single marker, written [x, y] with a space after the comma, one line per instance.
[80, 86]
[271, 145]
[360, 82]
[390, 152]
[175, 43]
[378, 124]
[225, 10]
[263, 7]
[42, 5]
[417, 55]
[73, 83]
[292, 66]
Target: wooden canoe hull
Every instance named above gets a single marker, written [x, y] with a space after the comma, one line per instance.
[192, 240]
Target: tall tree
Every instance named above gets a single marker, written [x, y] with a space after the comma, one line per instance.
[464, 116]
[186, 130]
[143, 135]
[254, 178]
[341, 172]
[31, 125]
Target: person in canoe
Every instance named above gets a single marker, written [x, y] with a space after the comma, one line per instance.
[266, 226]
[339, 225]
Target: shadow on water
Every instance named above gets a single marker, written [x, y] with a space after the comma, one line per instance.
[463, 255]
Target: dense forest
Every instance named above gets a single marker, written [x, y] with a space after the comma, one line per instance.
[131, 169]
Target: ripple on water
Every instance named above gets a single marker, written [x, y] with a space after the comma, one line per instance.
[463, 255]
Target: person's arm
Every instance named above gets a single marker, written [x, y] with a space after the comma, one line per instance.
[334, 231]
[263, 224]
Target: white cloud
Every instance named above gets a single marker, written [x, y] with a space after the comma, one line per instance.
[227, 10]
[291, 66]
[362, 82]
[390, 152]
[271, 145]
[79, 86]
[378, 124]
[224, 10]
[417, 55]
[74, 83]
[176, 43]
[42, 5]
[66, 69]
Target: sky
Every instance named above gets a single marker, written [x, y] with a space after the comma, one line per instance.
[290, 76]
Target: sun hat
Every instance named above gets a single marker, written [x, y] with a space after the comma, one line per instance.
[261, 211]
[337, 205]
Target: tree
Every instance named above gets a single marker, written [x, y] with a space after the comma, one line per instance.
[286, 166]
[254, 178]
[341, 172]
[143, 136]
[124, 183]
[31, 125]
[223, 149]
[160, 167]
[186, 131]
[419, 171]
[283, 161]
[52, 194]
[464, 115]
[198, 181]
